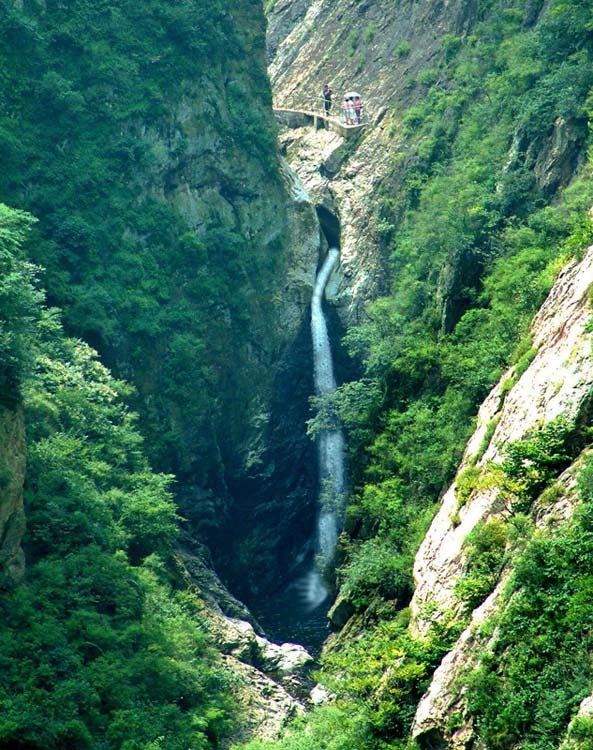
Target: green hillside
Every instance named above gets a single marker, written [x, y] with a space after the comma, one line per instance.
[98, 648]
[484, 198]
[106, 108]
[154, 381]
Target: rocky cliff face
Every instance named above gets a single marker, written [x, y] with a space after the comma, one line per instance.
[12, 475]
[558, 382]
[209, 170]
[269, 461]
[355, 46]
[190, 263]
[265, 461]
[391, 53]
[272, 682]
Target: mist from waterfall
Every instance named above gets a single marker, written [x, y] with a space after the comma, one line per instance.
[330, 446]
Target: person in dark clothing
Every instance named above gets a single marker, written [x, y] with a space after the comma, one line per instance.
[327, 98]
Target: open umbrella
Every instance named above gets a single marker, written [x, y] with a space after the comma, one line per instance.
[352, 95]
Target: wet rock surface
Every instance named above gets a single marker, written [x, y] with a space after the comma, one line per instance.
[340, 612]
[342, 188]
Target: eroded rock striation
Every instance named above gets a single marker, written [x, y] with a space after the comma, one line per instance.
[558, 382]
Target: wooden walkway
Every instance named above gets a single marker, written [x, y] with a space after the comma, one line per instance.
[300, 118]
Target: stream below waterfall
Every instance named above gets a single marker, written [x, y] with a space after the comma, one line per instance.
[298, 614]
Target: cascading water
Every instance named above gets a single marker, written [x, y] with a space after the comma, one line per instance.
[298, 612]
[332, 480]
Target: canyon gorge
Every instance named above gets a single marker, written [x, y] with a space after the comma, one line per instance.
[296, 426]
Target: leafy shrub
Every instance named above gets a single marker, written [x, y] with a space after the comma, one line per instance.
[331, 727]
[581, 733]
[428, 76]
[374, 569]
[466, 483]
[20, 303]
[403, 48]
[451, 45]
[482, 448]
[530, 464]
[538, 670]
[369, 33]
[485, 550]
[352, 43]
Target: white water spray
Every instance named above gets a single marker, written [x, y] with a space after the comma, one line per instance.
[332, 484]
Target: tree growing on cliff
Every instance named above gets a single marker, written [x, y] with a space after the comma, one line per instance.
[96, 648]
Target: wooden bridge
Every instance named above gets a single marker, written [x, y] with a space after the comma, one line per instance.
[301, 118]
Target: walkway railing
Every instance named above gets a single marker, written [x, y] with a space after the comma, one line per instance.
[315, 106]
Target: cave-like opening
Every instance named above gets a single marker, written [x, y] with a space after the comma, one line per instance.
[330, 226]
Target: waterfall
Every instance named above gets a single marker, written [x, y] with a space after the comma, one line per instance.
[330, 445]
[298, 613]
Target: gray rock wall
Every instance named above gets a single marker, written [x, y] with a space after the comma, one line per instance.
[558, 382]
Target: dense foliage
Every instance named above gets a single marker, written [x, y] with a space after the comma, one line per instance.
[477, 221]
[96, 648]
[19, 304]
[141, 137]
[538, 669]
[102, 105]
[470, 263]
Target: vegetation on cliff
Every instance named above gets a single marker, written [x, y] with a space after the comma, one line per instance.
[141, 137]
[474, 241]
[531, 681]
[101, 647]
[476, 220]
[98, 648]
[106, 109]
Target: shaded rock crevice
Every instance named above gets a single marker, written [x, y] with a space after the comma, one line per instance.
[273, 501]
[330, 226]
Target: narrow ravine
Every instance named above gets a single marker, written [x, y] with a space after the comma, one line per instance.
[298, 612]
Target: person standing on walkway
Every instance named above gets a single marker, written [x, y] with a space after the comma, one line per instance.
[358, 109]
[327, 98]
[345, 110]
[350, 111]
